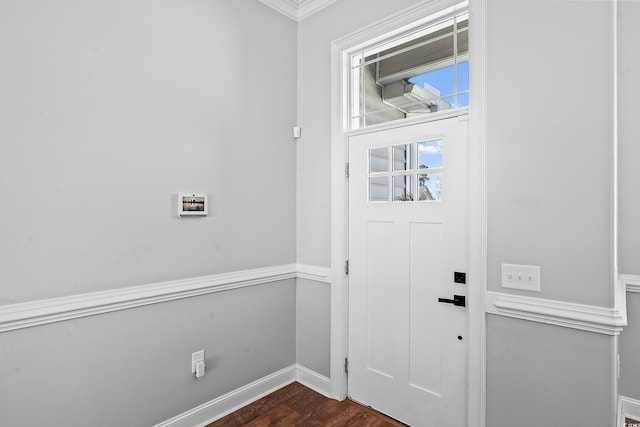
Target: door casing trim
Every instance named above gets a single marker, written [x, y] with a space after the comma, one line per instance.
[477, 277]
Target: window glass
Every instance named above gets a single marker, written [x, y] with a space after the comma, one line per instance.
[379, 160]
[430, 187]
[430, 154]
[403, 157]
[406, 173]
[379, 189]
[403, 188]
[420, 73]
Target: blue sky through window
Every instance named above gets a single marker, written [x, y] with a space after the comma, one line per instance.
[430, 154]
[442, 79]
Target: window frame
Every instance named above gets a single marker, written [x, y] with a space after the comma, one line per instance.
[356, 99]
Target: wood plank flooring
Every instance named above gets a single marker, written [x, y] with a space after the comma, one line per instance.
[297, 405]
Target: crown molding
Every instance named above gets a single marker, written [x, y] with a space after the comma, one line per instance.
[298, 9]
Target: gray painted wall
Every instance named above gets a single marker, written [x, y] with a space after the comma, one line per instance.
[629, 135]
[549, 188]
[549, 204]
[549, 185]
[112, 108]
[630, 349]
[109, 110]
[315, 35]
[542, 375]
[132, 367]
[629, 187]
[114, 105]
[313, 308]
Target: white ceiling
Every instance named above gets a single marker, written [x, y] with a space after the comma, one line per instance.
[298, 9]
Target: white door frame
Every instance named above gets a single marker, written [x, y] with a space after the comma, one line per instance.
[477, 277]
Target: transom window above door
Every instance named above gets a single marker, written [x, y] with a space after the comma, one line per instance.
[406, 172]
[420, 72]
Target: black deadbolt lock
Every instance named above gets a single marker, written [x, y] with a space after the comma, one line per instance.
[459, 277]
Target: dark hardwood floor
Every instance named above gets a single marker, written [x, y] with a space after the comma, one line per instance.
[297, 405]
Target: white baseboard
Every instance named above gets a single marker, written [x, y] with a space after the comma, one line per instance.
[313, 380]
[219, 407]
[224, 405]
[628, 407]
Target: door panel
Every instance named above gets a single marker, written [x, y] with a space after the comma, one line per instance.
[426, 268]
[407, 235]
[380, 331]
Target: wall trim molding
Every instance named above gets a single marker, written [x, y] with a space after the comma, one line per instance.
[41, 312]
[632, 282]
[221, 406]
[298, 9]
[314, 272]
[313, 380]
[51, 310]
[307, 8]
[603, 320]
[627, 407]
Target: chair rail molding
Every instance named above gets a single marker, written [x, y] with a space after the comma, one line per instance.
[632, 282]
[40, 312]
[603, 320]
[314, 272]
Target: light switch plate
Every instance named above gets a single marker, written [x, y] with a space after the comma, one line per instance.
[524, 277]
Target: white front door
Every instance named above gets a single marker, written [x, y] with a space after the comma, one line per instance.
[407, 241]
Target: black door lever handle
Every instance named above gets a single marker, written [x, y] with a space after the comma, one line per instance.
[458, 300]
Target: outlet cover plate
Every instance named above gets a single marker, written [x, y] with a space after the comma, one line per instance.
[524, 277]
[195, 357]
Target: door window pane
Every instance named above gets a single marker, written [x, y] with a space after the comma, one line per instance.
[403, 157]
[379, 160]
[379, 189]
[403, 188]
[430, 187]
[406, 173]
[430, 154]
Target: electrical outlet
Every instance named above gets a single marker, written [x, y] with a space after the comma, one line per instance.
[195, 358]
[525, 277]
